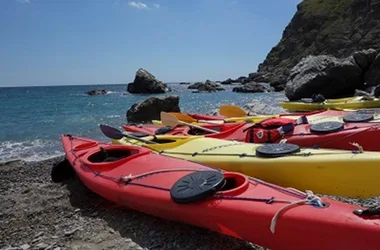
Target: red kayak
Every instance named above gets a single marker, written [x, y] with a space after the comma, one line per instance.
[227, 131]
[206, 117]
[329, 134]
[226, 202]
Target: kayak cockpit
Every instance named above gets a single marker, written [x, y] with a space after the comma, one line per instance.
[111, 154]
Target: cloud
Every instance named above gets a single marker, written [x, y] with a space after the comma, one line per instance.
[138, 5]
[157, 5]
[23, 1]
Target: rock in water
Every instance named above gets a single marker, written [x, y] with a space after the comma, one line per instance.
[195, 85]
[97, 92]
[151, 108]
[251, 87]
[208, 86]
[326, 75]
[145, 82]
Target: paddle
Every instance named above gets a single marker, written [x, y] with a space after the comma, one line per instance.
[232, 111]
[186, 118]
[170, 120]
[116, 134]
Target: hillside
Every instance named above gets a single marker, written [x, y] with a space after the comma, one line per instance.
[334, 27]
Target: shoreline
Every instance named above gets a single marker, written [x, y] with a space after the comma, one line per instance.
[38, 213]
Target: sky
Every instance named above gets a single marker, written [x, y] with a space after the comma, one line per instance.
[78, 42]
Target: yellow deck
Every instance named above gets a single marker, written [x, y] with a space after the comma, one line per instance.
[342, 103]
[326, 171]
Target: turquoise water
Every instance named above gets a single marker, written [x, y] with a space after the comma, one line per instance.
[33, 118]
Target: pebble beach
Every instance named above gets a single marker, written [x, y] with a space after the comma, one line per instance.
[38, 214]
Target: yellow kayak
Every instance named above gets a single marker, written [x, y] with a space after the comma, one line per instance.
[252, 119]
[326, 171]
[355, 103]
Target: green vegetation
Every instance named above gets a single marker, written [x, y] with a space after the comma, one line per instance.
[325, 8]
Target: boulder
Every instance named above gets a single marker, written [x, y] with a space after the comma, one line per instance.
[326, 75]
[151, 108]
[228, 81]
[251, 87]
[195, 85]
[208, 86]
[364, 58]
[359, 92]
[145, 82]
[97, 92]
[325, 27]
[376, 91]
[372, 76]
[242, 80]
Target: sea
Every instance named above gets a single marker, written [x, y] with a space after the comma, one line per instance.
[33, 118]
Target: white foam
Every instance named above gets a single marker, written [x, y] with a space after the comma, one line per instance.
[29, 150]
[113, 116]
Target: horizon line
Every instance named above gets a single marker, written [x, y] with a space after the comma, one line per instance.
[66, 85]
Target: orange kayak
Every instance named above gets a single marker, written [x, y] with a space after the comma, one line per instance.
[226, 202]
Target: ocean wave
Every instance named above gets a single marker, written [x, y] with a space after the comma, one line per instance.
[113, 116]
[29, 150]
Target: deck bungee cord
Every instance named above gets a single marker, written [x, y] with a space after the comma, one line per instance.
[306, 198]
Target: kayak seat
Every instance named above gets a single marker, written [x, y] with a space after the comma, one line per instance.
[111, 155]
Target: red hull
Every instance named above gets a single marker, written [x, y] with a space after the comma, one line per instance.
[206, 117]
[366, 134]
[228, 131]
[241, 211]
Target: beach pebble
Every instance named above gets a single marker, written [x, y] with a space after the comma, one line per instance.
[36, 240]
[25, 247]
[39, 234]
[70, 232]
[41, 245]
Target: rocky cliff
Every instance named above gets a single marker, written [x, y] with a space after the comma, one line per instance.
[321, 27]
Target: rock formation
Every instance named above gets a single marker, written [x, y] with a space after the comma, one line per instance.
[322, 27]
[145, 82]
[251, 87]
[334, 77]
[151, 108]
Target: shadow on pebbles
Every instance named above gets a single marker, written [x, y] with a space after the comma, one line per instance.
[38, 214]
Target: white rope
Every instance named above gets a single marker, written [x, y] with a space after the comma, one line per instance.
[360, 148]
[311, 197]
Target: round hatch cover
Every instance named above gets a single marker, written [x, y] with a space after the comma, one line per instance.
[358, 117]
[272, 150]
[326, 127]
[196, 186]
